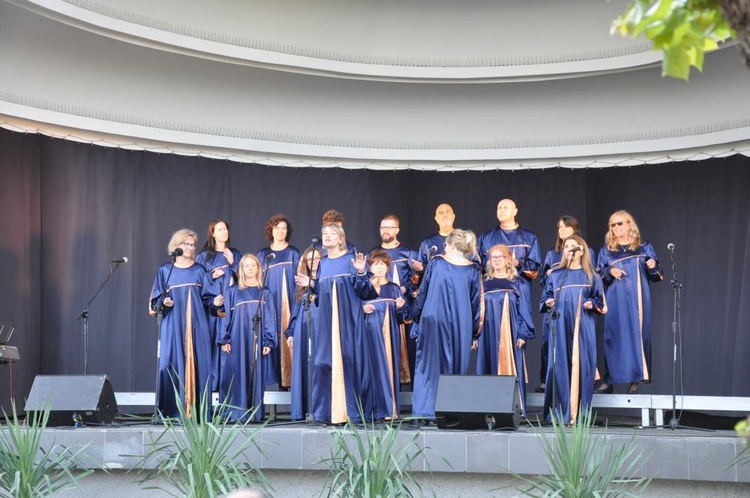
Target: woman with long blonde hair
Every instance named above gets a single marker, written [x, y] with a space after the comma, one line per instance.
[244, 349]
[627, 266]
[506, 329]
[449, 310]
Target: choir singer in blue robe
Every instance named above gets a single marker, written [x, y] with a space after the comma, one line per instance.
[221, 260]
[337, 366]
[280, 263]
[449, 310]
[184, 290]
[245, 348]
[627, 266]
[381, 342]
[574, 294]
[502, 345]
[300, 333]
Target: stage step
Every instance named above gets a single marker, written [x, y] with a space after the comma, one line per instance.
[643, 402]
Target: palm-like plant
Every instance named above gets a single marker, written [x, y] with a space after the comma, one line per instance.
[371, 462]
[582, 464]
[29, 471]
[203, 458]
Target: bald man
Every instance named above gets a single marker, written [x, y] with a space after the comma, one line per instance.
[522, 243]
[435, 243]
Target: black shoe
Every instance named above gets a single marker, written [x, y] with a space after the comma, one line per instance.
[539, 389]
[605, 388]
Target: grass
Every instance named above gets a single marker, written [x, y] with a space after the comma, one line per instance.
[27, 470]
[202, 457]
[373, 461]
[582, 464]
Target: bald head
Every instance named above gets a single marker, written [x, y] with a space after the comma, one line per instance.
[445, 217]
[506, 213]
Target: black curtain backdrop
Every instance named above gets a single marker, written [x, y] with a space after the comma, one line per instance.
[68, 209]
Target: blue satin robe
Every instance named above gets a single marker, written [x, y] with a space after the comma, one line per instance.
[237, 382]
[337, 362]
[223, 283]
[572, 350]
[449, 310]
[505, 321]
[298, 329]
[381, 345]
[627, 326]
[402, 273]
[279, 278]
[185, 343]
[551, 262]
[524, 246]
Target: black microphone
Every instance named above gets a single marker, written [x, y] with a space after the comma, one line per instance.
[315, 240]
[670, 247]
[270, 257]
[433, 249]
[576, 249]
[176, 252]
[123, 259]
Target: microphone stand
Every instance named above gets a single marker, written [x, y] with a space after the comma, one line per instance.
[85, 316]
[674, 422]
[159, 309]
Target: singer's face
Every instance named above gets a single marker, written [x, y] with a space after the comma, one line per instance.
[388, 230]
[497, 260]
[221, 232]
[444, 216]
[620, 225]
[564, 231]
[188, 247]
[572, 245]
[250, 268]
[379, 268]
[330, 238]
[506, 211]
[280, 232]
[312, 263]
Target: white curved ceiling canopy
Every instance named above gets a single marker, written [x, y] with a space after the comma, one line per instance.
[391, 84]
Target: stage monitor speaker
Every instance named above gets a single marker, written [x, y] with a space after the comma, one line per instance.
[471, 402]
[73, 398]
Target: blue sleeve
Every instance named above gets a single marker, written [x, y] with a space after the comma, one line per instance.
[363, 287]
[268, 318]
[656, 274]
[548, 292]
[477, 303]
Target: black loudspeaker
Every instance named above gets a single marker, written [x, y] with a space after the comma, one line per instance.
[471, 402]
[73, 398]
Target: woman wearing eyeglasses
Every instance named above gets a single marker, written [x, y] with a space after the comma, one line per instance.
[627, 266]
[184, 290]
[508, 326]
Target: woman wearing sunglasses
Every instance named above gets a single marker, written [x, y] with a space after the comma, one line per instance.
[627, 265]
